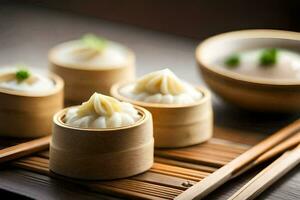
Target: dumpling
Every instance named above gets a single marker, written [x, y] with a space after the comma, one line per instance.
[102, 111]
[162, 87]
[24, 80]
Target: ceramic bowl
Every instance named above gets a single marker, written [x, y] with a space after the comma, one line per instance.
[249, 92]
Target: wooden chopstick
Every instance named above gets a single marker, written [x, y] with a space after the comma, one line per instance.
[277, 150]
[269, 175]
[24, 149]
[225, 173]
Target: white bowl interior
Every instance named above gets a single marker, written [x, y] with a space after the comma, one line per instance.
[216, 49]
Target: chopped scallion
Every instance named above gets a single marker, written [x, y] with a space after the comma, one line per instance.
[232, 61]
[268, 57]
[22, 74]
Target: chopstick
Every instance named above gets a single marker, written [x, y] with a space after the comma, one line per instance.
[225, 173]
[277, 150]
[269, 175]
[24, 149]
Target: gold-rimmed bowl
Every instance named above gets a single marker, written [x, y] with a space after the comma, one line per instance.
[249, 92]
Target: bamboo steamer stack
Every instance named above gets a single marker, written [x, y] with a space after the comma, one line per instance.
[29, 114]
[101, 154]
[177, 125]
[81, 80]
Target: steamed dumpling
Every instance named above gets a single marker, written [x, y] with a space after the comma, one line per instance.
[102, 111]
[160, 82]
[24, 80]
[91, 52]
[162, 87]
[90, 46]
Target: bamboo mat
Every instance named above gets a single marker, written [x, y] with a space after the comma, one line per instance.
[173, 172]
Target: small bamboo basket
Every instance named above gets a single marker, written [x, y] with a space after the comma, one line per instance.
[27, 114]
[102, 154]
[177, 125]
[82, 82]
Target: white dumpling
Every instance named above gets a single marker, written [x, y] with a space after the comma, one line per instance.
[34, 83]
[102, 111]
[99, 122]
[127, 119]
[115, 120]
[91, 52]
[141, 96]
[129, 109]
[163, 82]
[154, 98]
[161, 87]
[83, 122]
[167, 99]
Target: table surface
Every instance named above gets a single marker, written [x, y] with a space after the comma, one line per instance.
[26, 35]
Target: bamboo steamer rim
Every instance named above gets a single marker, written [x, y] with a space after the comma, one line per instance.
[57, 119]
[58, 86]
[55, 50]
[247, 34]
[115, 93]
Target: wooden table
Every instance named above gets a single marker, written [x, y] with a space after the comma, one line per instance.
[28, 32]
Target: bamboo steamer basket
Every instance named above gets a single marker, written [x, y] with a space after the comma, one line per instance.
[249, 92]
[102, 154]
[29, 114]
[81, 82]
[177, 125]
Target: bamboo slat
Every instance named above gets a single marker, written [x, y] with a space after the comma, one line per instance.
[176, 171]
[167, 178]
[228, 171]
[269, 175]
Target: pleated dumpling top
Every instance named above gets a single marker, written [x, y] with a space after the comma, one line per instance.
[102, 111]
[162, 87]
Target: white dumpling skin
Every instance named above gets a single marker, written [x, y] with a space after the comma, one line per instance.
[102, 111]
[161, 87]
[99, 122]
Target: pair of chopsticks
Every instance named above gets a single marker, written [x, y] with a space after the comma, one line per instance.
[277, 143]
[269, 175]
[24, 149]
[277, 150]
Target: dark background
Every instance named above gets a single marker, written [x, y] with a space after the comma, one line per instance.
[192, 18]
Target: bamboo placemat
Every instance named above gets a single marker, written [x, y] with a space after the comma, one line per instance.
[173, 172]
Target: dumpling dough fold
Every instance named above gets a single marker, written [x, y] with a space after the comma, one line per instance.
[102, 111]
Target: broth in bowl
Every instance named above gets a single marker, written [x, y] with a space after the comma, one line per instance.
[268, 63]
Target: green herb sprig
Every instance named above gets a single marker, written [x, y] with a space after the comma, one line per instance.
[268, 57]
[22, 75]
[233, 61]
[94, 42]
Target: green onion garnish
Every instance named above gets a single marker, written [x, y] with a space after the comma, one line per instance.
[94, 42]
[268, 57]
[232, 61]
[22, 74]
